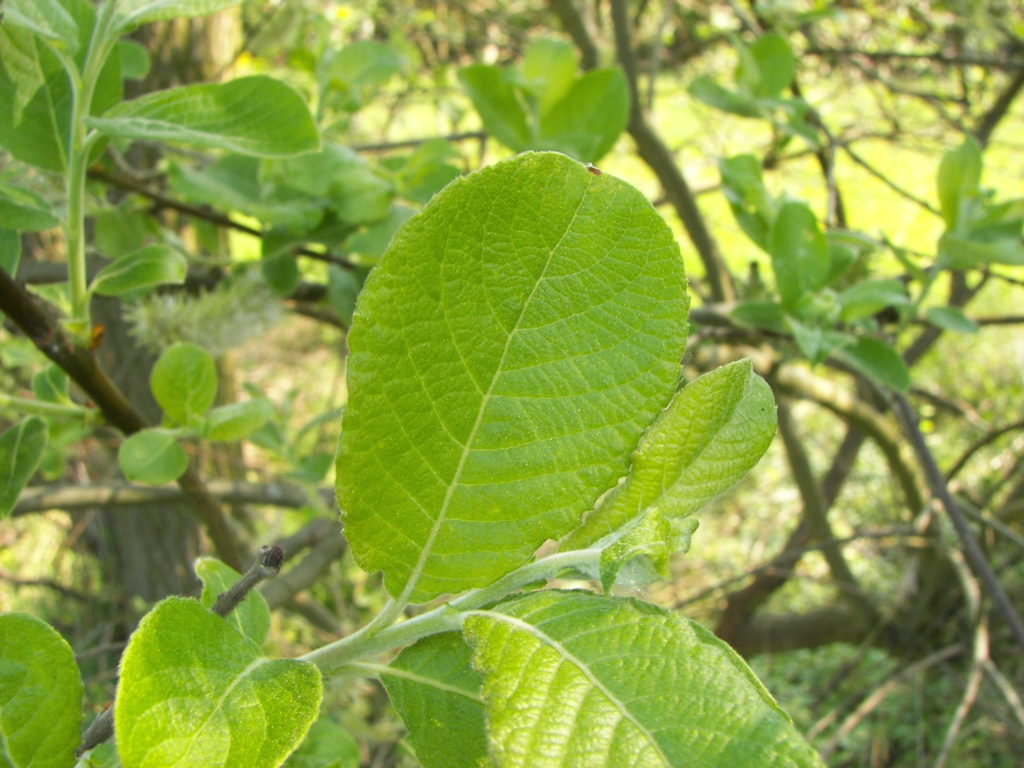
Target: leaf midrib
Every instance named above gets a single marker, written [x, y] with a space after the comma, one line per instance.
[442, 516]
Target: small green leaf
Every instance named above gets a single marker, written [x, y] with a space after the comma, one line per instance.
[146, 268]
[571, 678]
[867, 297]
[184, 382]
[278, 264]
[495, 99]
[327, 745]
[549, 308]
[749, 199]
[951, 319]
[238, 420]
[714, 430]
[133, 12]
[251, 618]
[10, 251]
[436, 691]
[22, 66]
[343, 286]
[705, 89]
[642, 555]
[135, 60]
[549, 68]
[958, 179]
[979, 249]
[761, 314]
[361, 68]
[23, 210]
[49, 19]
[254, 115]
[776, 65]
[51, 384]
[40, 695]
[194, 693]
[879, 361]
[374, 240]
[815, 341]
[799, 251]
[21, 449]
[152, 456]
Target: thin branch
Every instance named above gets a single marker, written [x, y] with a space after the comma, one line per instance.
[987, 439]
[972, 550]
[899, 190]
[937, 57]
[387, 146]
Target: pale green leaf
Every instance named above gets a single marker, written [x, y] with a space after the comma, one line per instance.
[327, 745]
[152, 456]
[642, 555]
[776, 65]
[705, 89]
[184, 382]
[254, 115]
[40, 695]
[251, 617]
[135, 59]
[50, 19]
[238, 420]
[194, 693]
[23, 210]
[495, 99]
[576, 680]
[437, 693]
[879, 361]
[21, 449]
[146, 268]
[549, 67]
[958, 179]
[133, 12]
[517, 338]
[867, 297]
[20, 61]
[714, 430]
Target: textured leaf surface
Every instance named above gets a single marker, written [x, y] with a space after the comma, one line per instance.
[573, 679]
[152, 456]
[507, 354]
[131, 12]
[195, 693]
[49, 19]
[251, 617]
[713, 431]
[255, 115]
[40, 695]
[437, 693]
[21, 448]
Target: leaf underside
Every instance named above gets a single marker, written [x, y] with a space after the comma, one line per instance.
[517, 338]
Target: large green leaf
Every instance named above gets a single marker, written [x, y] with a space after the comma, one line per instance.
[517, 338]
[251, 617]
[549, 68]
[49, 19]
[714, 430]
[196, 694]
[35, 128]
[437, 693]
[145, 268]
[133, 12]
[254, 115]
[573, 679]
[21, 448]
[40, 695]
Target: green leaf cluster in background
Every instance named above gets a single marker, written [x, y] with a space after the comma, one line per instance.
[545, 104]
[516, 340]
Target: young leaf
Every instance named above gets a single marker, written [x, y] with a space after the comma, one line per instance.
[24, 210]
[251, 618]
[495, 99]
[879, 361]
[41, 699]
[21, 449]
[49, 19]
[238, 420]
[705, 89]
[146, 268]
[642, 555]
[254, 115]
[799, 251]
[867, 297]
[571, 678]
[714, 430]
[184, 382]
[951, 319]
[51, 384]
[548, 308]
[436, 691]
[194, 693]
[586, 123]
[549, 67]
[152, 456]
[133, 12]
[958, 179]
[776, 65]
